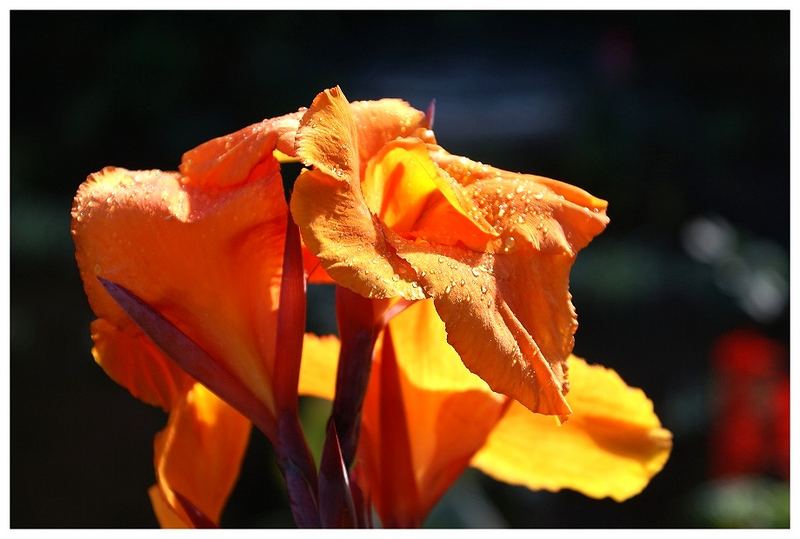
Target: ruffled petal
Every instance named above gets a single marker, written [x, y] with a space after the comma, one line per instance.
[209, 261]
[381, 121]
[328, 205]
[478, 240]
[198, 455]
[339, 229]
[612, 445]
[231, 159]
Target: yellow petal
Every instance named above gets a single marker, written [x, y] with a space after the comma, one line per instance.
[612, 445]
[199, 454]
[423, 354]
[318, 366]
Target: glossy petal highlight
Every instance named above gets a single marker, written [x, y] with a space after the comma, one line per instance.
[612, 445]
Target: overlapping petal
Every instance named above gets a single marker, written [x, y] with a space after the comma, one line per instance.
[426, 418]
[494, 249]
[207, 260]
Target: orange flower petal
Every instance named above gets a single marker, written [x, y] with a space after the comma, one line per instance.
[424, 408]
[315, 272]
[612, 445]
[339, 229]
[381, 121]
[518, 238]
[339, 138]
[167, 515]
[209, 262]
[229, 160]
[426, 398]
[199, 455]
[133, 361]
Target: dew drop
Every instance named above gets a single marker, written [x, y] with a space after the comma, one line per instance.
[483, 289]
[475, 272]
[395, 277]
[462, 282]
[508, 244]
[449, 288]
[423, 274]
[539, 196]
[519, 189]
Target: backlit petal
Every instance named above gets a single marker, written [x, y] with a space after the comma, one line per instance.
[318, 366]
[424, 417]
[199, 455]
[612, 445]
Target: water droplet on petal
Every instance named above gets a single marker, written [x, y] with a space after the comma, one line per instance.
[508, 244]
[475, 272]
[539, 195]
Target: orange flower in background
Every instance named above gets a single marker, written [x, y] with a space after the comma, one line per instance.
[204, 248]
[391, 214]
[426, 418]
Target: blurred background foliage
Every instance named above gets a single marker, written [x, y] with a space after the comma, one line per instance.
[679, 120]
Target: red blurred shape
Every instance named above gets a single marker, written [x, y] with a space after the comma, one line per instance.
[751, 426]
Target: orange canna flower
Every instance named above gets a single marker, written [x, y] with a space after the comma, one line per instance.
[426, 418]
[204, 248]
[391, 214]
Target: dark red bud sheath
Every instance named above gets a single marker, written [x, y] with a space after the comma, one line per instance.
[336, 508]
[198, 519]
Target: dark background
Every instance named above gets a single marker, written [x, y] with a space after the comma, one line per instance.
[679, 120]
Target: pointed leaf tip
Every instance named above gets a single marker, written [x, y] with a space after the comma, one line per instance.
[196, 516]
[337, 509]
